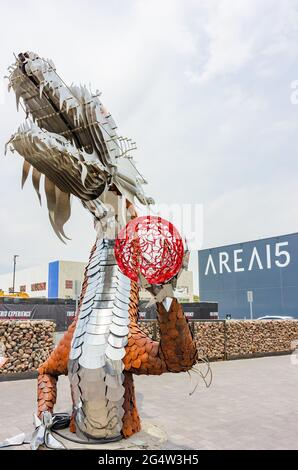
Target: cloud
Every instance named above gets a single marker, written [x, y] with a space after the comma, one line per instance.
[203, 87]
[237, 209]
[240, 33]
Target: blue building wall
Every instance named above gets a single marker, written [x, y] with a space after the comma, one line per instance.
[268, 267]
[53, 280]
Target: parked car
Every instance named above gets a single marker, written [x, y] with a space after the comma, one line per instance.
[275, 317]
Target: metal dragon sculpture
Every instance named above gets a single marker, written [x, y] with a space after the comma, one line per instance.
[70, 138]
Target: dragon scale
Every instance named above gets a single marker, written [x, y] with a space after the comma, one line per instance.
[98, 347]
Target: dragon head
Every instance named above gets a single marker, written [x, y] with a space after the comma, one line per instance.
[70, 138]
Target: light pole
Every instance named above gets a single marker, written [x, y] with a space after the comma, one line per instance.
[14, 272]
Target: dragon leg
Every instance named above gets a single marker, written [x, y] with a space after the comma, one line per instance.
[56, 365]
[131, 420]
[175, 352]
[49, 371]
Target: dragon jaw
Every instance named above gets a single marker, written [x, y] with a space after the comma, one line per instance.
[71, 139]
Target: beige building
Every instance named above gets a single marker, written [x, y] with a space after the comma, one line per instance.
[71, 275]
[63, 279]
[57, 279]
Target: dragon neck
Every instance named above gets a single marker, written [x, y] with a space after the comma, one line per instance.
[98, 346]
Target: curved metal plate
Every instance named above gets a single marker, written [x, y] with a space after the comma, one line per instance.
[121, 321]
[97, 329]
[95, 277]
[117, 341]
[120, 305]
[118, 330]
[84, 308]
[97, 320]
[94, 281]
[103, 305]
[91, 375]
[93, 393]
[103, 297]
[86, 313]
[124, 279]
[93, 349]
[114, 394]
[103, 312]
[80, 328]
[87, 297]
[78, 341]
[114, 380]
[96, 339]
[121, 312]
[75, 353]
[123, 297]
[92, 362]
[124, 301]
[116, 354]
[94, 269]
[73, 366]
[76, 394]
[87, 304]
[113, 367]
[74, 379]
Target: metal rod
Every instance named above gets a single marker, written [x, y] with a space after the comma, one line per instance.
[14, 272]
[251, 313]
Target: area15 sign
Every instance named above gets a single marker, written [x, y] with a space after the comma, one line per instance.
[276, 254]
[267, 267]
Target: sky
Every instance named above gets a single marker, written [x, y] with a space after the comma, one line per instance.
[207, 90]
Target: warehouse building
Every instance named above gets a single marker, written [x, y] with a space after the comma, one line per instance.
[253, 278]
[57, 279]
[63, 280]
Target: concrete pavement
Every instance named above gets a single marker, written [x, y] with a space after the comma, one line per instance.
[251, 404]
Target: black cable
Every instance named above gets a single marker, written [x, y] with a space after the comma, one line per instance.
[62, 421]
[100, 441]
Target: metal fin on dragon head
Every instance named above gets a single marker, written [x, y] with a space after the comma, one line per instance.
[70, 137]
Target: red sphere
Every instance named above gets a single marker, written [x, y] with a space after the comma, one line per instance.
[151, 246]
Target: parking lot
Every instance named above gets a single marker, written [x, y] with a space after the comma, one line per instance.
[251, 404]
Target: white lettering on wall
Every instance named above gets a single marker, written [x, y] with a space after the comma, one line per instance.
[268, 255]
[274, 255]
[255, 256]
[223, 261]
[237, 261]
[210, 263]
[279, 253]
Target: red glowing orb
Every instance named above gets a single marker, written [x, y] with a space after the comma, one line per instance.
[151, 246]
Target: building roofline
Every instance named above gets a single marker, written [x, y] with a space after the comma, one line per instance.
[247, 241]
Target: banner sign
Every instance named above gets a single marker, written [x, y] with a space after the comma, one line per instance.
[15, 314]
[62, 315]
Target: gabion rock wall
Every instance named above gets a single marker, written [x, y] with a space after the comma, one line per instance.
[24, 345]
[237, 338]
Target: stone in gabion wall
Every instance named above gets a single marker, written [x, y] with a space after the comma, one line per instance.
[237, 338]
[210, 339]
[260, 337]
[151, 328]
[25, 344]
[209, 336]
